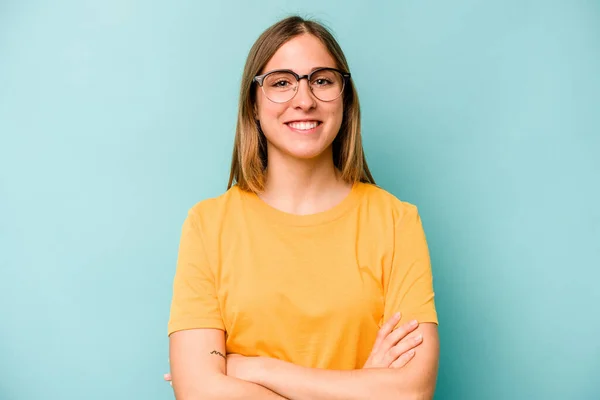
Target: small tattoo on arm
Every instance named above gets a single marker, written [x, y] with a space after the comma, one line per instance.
[218, 353]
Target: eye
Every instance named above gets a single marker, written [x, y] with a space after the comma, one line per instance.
[281, 83]
[322, 81]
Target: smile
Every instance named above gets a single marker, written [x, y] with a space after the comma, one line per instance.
[303, 125]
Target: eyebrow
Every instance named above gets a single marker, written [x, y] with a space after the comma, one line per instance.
[316, 68]
[290, 69]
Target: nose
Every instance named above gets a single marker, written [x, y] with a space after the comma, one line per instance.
[304, 98]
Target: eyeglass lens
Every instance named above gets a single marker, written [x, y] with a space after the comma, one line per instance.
[326, 85]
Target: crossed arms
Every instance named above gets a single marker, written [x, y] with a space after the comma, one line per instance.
[201, 370]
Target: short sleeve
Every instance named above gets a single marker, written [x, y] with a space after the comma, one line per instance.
[409, 287]
[194, 303]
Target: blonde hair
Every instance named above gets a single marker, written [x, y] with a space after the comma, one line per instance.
[249, 159]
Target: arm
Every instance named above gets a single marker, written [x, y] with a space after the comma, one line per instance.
[416, 380]
[196, 328]
[199, 369]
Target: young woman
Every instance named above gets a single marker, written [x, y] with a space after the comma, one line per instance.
[291, 284]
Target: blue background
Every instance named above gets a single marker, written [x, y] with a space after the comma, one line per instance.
[116, 116]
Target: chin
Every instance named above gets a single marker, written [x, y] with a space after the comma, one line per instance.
[300, 149]
[306, 155]
[309, 154]
[304, 152]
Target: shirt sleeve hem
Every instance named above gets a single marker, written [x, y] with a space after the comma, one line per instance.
[422, 318]
[204, 323]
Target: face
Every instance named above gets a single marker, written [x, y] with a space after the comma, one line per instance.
[304, 127]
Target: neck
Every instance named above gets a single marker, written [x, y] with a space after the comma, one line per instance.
[301, 186]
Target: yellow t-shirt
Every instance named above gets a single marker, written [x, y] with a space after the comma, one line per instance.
[309, 289]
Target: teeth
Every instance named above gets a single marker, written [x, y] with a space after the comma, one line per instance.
[304, 126]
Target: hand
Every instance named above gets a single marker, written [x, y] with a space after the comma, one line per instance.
[393, 348]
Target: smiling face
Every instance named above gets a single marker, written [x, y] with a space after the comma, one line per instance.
[304, 127]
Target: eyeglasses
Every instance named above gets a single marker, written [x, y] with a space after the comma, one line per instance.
[280, 86]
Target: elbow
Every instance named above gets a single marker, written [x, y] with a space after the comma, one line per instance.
[196, 392]
[424, 395]
[197, 395]
[405, 395]
[192, 394]
[419, 394]
[399, 386]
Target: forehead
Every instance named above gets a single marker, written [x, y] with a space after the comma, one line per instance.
[301, 54]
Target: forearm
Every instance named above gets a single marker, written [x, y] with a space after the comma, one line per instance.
[300, 383]
[222, 387]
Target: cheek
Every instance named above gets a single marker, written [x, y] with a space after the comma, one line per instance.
[263, 108]
[336, 115]
[269, 113]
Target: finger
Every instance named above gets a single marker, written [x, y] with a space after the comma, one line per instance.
[167, 377]
[402, 347]
[403, 359]
[385, 330]
[399, 333]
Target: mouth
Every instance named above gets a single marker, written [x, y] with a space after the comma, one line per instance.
[304, 126]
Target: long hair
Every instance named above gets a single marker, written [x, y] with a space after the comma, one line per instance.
[249, 159]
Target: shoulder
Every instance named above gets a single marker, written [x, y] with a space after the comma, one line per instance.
[214, 208]
[379, 198]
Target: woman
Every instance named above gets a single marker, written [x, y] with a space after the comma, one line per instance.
[283, 283]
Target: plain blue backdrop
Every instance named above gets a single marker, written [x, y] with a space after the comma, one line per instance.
[116, 116]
